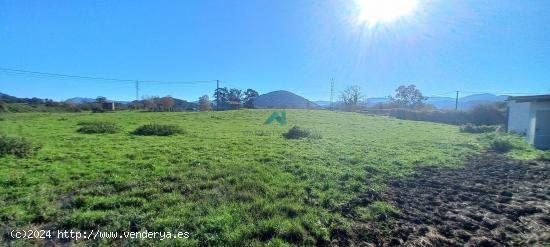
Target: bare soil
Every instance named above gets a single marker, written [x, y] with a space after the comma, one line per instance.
[493, 201]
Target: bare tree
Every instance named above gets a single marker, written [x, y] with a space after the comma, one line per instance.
[351, 95]
[167, 103]
[152, 103]
[204, 103]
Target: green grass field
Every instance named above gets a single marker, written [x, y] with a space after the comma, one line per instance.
[228, 179]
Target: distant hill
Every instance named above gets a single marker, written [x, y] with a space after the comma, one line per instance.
[8, 98]
[322, 103]
[374, 101]
[83, 100]
[184, 105]
[80, 100]
[467, 102]
[282, 99]
[464, 103]
[12, 99]
[484, 97]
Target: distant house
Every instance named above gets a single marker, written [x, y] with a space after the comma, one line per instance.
[108, 106]
[530, 116]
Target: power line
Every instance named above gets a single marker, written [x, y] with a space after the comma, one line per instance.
[49, 75]
[63, 76]
[232, 84]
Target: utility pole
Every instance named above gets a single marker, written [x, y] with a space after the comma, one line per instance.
[217, 95]
[331, 93]
[137, 94]
[456, 101]
[137, 90]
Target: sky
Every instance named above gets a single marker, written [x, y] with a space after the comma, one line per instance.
[492, 46]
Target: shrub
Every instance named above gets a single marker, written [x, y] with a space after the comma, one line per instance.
[98, 127]
[448, 117]
[3, 107]
[297, 133]
[487, 114]
[158, 130]
[471, 128]
[17, 146]
[500, 143]
[97, 110]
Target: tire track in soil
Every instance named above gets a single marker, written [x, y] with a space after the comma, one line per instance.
[492, 201]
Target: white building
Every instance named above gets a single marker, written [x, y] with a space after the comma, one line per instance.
[530, 116]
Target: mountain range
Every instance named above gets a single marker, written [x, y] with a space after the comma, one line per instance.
[286, 99]
[443, 103]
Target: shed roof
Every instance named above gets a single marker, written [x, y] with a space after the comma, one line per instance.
[530, 98]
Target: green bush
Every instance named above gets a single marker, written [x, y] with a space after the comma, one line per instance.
[487, 114]
[297, 133]
[3, 107]
[158, 130]
[17, 146]
[471, 128]
[98, 127]
[501, 143]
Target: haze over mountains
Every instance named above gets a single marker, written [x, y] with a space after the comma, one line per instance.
[286, 99]
[464, 103]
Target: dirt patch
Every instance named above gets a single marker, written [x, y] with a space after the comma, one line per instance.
[493, 201]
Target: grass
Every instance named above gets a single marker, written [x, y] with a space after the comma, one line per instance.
[512, 145]
[229, 181]
[376, 210]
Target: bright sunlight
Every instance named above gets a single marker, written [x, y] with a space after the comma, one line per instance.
[374, 12]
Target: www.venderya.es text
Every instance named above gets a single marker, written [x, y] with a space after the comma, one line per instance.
[95, 234]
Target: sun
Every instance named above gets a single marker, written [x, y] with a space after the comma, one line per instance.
[375, 12]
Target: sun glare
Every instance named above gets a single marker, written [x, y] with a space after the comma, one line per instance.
[374, 12]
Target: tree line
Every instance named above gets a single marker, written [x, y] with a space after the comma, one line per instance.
[406, 96]
[228, 99]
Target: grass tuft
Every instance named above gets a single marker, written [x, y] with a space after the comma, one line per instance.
[512, 145]
[471, 128]
[17, 146]
[97, 127]
[377, 210]
[158, 130]
[297, 132]
[501, 144]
